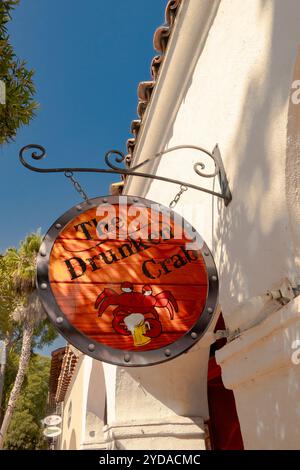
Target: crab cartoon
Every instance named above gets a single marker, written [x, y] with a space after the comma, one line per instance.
[135, 313]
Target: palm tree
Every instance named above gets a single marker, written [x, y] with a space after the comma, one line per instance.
[8, 331]
[29, 312]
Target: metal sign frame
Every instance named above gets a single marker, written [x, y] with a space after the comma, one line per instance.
[98, 350]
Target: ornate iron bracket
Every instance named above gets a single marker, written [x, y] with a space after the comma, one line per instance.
[119, 157]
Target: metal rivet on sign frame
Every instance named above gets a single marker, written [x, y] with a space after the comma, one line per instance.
[91, 347]
[104, 200]
[213, 278]
[194, 335]
[210, 310]
[167, 352]
[59, 320]
[127, 358]
[57, 225]
[42, 252]
[78, 208]
[44, 285]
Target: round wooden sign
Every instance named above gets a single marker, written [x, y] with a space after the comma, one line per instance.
[52, 420]
[127, 280]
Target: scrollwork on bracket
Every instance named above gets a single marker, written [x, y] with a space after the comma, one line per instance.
[119, 157]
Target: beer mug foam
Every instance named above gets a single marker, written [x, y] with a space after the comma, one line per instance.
[135, 323]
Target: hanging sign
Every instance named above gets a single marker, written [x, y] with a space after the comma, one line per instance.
[52, 420]
[127, 281]
[52, 431]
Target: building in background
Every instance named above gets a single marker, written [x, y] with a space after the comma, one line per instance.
[77, 393]
[227, 73]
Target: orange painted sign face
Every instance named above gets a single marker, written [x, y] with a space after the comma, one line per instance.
[126, 281]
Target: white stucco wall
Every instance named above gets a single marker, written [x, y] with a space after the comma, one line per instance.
[153, 407]
[74, 410]
[262, 366]
[227, 79]
[94, 398]
[238, 97]
[84, 407]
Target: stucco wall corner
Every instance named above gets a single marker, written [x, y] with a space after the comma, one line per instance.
[265, 349]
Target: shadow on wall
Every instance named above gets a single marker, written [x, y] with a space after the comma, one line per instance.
[96, 404]
[292, 162]
[176, 387]
[253, 239]
[73, 441]
[272, 421]
[254, 242]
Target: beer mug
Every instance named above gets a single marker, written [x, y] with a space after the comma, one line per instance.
[139, 338]
[136, 324]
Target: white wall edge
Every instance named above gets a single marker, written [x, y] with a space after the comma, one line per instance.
[186, 43]
[263, 349]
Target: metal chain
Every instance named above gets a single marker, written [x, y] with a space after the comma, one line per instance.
[79, 189]
[178, 196]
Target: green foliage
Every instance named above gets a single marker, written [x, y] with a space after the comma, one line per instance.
[17, 282]
[24, 433]
[20, 107]
[8, 299]
[22, 263]
[25, 430]
[44, 334]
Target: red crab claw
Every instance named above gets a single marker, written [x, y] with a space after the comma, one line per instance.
[104, 300]
[154, 327]
[127, 286]
[119, 326]
[166, 299]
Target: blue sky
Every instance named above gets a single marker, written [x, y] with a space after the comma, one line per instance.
[88, 59]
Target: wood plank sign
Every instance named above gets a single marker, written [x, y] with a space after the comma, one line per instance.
[127, 280]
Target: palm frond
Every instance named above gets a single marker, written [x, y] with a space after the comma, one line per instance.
[31, 310]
